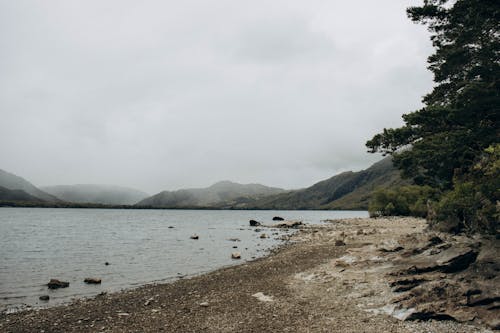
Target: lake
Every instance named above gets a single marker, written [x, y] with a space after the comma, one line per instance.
[141, 247]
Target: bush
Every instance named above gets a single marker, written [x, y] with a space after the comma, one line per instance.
[473, 204]
[408, 200]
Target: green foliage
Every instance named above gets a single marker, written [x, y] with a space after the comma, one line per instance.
[473, 204]
[408, 200]
[460, 116]
[443, 144]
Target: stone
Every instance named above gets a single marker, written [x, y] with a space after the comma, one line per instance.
[406, 283]
[106, 263]
[204, 304]
[263, 236]
[56, 284]
[194, 237]
[44, 297]
[262, 297]
[254, 223]
[288, 224]
[235, 255]
[92, 281]
[278, 218]
[339, 242]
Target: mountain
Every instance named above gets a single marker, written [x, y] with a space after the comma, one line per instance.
[17, 196]
[13, 182]
[96, 194]
[224, 193]
[348, 190]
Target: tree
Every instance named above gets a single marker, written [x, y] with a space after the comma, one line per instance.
[459, 120]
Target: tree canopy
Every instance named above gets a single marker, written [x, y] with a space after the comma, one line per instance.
[459, 119]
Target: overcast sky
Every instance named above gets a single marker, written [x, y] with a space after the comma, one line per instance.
[169, 94]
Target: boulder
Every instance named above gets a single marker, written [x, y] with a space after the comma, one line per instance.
[288, 224]
[56, 284]
[194, 237]
[44, 297]
[278, 218]
[451, 260]
[92, 281]
[254, 223]
[235, 255]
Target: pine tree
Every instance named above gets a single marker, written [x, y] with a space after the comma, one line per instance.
[459, 120]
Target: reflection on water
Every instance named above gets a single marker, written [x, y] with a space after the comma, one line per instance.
[141, 246]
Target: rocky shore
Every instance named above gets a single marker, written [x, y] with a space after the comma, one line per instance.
[353, 275]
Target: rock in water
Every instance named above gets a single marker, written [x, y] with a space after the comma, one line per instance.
[44, 297]
[288, 224]
[56, 284]
[254, 223]
[278, 218]
[263, 236]
[92, 281]
[194, 237]
[235, 255]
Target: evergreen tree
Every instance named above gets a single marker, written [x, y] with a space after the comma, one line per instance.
[459, 120]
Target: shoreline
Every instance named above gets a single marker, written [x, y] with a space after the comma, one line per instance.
[301, 286]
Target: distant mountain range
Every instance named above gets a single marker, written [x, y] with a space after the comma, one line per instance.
[17, 196]
[348, 190]
[224, 192]
[12, 182]
[16, 189]
[98, 194]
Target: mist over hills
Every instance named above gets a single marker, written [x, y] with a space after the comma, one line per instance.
[226, 192]
[97, 194]
[17, 195]
[12, 182]
[348, 190]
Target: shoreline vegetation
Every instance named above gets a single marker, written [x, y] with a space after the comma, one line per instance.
[16, 204]
[349, 275]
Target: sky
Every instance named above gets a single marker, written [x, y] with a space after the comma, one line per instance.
[161, 95]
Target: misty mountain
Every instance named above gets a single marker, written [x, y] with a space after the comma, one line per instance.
[17, 195]
[348, 190]
[96, 194]
[224, 192]
[13, 182]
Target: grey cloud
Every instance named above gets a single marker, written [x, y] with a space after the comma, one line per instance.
[162, 94]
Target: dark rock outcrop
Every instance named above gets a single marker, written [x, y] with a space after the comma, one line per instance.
[254, 223]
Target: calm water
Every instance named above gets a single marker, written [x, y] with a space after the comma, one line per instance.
[38, 244]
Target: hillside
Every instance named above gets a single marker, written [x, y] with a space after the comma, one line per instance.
[348, 190]
[17, 196]
[221, 193]
[96, 194]
[13, 182]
